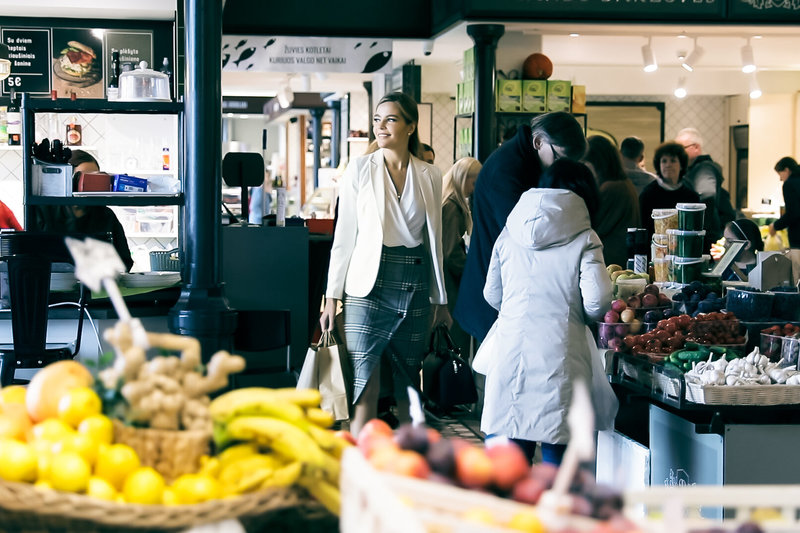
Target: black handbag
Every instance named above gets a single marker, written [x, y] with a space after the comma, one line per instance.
[447, 378]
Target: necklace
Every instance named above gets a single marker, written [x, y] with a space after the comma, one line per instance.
[391, 178]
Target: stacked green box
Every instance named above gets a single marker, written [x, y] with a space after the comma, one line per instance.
[534, 96]
[559, 95]
[508, 96]
[469, 64]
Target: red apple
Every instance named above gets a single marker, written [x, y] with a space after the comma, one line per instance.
[345, 435]
[410, 464]
[634, 302]
[528, 490]
[651, 288]
[509, 464]
[473, 467]
[618, 305]
[611, 317]
[649, 300]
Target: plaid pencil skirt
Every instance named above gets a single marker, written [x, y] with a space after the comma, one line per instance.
[393, 318]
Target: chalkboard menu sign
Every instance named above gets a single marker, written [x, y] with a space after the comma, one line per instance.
[29, 53]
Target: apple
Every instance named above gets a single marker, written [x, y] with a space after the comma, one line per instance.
[409, 463]
[627, 315]
[618, 306]
[663, 299]
[473, 467]
[345, 435]
[611, 317]
[509, 464]
[528, 490]
[634, 302]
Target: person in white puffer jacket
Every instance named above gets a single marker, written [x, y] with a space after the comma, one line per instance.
[548, 281]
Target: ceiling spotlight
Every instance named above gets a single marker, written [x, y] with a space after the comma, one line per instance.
[755, 90]
[649, 57]
[574, 34]
[748, 61]
[680, 90]
[5, 64]
[693, 58]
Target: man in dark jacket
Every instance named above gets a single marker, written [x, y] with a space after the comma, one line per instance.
[704, 177]
[789, 172]
[509, 171]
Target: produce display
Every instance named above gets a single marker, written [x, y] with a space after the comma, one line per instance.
[500, 468]
[755, 369]
[673, 333]
[697, 297]
[781, 342]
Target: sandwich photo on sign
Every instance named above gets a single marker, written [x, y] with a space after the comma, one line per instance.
[77, 63]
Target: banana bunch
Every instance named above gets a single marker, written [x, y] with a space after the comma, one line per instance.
[282, 439]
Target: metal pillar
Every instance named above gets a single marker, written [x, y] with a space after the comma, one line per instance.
[370, 110]
[484, 130]
[316, 138]
[202, 310]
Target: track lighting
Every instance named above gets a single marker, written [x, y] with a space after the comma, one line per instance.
[649, 57]
[693, 58]
[680, 90]
[755, 90]
[748, 60]
[285, 96]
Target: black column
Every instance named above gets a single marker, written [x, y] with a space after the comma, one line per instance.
[484, 134]
[368, 88]
[202, 310]
[316, 138]
[336, 132]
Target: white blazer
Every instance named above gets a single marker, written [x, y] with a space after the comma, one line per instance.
[356, 250]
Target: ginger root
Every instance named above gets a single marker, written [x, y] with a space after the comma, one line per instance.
[166, 392]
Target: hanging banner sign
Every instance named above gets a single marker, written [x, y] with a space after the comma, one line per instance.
[29, 53]
[257, 53]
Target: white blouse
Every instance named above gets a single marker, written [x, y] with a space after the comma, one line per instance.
[404, 217]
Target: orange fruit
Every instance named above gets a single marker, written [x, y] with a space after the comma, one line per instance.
[50, 383]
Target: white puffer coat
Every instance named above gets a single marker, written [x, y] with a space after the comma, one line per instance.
[548, 280]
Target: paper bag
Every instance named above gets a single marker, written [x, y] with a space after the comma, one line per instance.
[327, 368]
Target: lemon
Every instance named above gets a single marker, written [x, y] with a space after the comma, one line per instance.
[43, 485]
[101, 489]
[79, 443]
[195, 488]
[44, 462]
[18, 461]
[115, 463]
[98, 427]
[51, 430]
[478, 515]
[144, 485]
[69, 472]
[12, 394]
[168, 497]
[526, 521]
[77, 404]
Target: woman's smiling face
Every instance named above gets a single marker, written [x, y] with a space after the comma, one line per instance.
[390, 128]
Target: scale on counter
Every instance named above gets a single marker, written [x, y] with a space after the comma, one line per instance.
[727, 260]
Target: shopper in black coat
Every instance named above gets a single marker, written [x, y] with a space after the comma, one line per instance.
[789, 172]
[509, 171]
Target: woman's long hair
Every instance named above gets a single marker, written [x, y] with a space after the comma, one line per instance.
[454, 185]
[410, 113]
[605, 159]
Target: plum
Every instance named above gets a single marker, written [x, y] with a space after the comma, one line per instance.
[679, 297]
[651, 288]
[441, 457]
[749, 527]
[649, 300]
[653, 316]
[411, 437]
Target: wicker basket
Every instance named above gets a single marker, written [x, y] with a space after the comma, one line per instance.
[171, 453]
[743, 394]
[24, 508]
[165, 261]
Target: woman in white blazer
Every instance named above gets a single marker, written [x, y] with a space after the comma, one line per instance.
[386, 258]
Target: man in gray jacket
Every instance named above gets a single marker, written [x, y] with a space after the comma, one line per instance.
[632, 152]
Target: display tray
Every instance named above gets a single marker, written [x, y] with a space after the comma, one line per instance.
[633, 371]
[743, 394]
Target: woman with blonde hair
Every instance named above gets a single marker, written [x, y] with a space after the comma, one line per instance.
[459, 182]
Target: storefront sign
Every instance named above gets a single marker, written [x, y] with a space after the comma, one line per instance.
[599, 9]
[244, 105]
[29, 53]
[305, 54]
[764, 10]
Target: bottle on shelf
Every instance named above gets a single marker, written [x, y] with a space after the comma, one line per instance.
[165, 158]
[14, 121]
[168, 71]
[74, 132]
[112, 93]
[280, 202]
